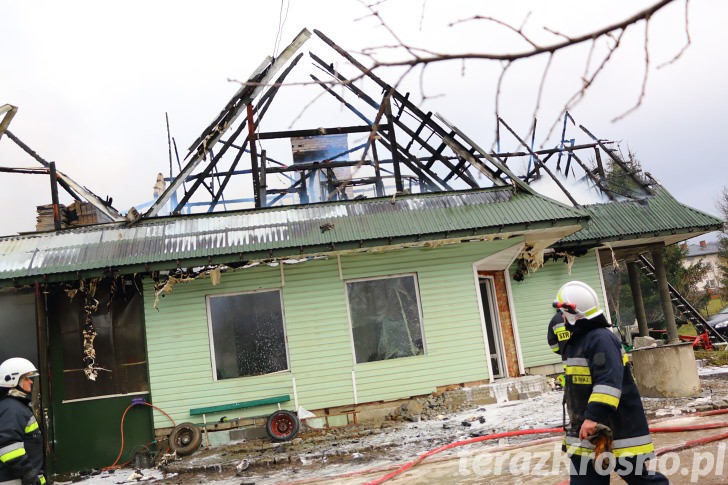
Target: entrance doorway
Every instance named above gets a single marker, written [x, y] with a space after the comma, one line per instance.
[492, 326]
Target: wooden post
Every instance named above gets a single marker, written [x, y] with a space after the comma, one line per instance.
[393, 144]
[263, 183]
[639, 304]
[659, 262]
[253, 156]
[54, 197]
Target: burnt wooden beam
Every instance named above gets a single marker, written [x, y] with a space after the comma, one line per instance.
[537, 160]
[43, 162]
[35, 171]
[590, 174]
[54, 196]
[253, 155]
[214, 132]
[452, 143]
[268, 98]
[617, 160]
[265, 101]
[379, 185]
[319, 131]
[478, 164]
[411, 162]
[283, 192]
[364, 97]
[419, 130]
[600, 166]
[387, 101]
[297, 167]
[263, 182]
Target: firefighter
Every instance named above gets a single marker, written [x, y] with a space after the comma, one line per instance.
[558, 334]
[21, 442]
[607, 428]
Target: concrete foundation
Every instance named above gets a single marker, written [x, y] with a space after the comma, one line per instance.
[667, 371]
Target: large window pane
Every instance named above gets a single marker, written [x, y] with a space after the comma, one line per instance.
[247, 333]
[385, 318]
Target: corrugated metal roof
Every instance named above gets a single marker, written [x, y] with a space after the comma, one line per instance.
[654, 215]
[251, 232]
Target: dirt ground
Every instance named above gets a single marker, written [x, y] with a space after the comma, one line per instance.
[368, 454]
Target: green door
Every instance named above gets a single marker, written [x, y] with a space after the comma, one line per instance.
[91, 396]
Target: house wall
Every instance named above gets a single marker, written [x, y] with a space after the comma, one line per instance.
[506, 325]
[319, 335]
[712, 277]
[533, 297]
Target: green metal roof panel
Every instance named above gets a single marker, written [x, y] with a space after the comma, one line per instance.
[297, 228]
[653, 215]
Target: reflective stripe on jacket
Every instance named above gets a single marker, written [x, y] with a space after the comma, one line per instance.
[21, 442]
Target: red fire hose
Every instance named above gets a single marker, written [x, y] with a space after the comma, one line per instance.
[668, 429]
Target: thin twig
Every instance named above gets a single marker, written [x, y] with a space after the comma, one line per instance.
[687, 43]
[644, 79]
[518, 30]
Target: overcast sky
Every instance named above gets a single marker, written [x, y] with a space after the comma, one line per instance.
[92, 82]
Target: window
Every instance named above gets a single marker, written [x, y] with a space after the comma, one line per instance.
[247, 333]
[119, 343]
[385, 318]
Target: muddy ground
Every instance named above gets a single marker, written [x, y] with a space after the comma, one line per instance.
[359, 455]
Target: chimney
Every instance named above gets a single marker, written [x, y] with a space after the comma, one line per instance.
[703, 244]
[159, 186]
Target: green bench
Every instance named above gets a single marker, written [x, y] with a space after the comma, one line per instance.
[239, 405]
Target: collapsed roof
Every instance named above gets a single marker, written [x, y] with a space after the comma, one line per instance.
[405, 153]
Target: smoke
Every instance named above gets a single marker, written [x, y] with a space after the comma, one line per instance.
[582, 190]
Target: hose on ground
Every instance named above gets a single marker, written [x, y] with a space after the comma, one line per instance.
[121, 426]
[668, 429]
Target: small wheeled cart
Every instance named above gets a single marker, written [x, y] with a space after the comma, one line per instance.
[281, 425]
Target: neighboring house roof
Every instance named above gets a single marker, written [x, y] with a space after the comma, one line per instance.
[279, 232]
[659, 215]
[697, 251]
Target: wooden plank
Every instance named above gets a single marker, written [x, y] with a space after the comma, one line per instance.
[239, 405]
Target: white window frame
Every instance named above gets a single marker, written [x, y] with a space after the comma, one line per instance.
[211, 340]
[351, 322]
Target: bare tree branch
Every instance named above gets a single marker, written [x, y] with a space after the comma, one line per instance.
[518, 30]
[687, 43]
[644, 79]
[619, 26]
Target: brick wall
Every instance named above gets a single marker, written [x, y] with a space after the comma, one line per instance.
[504, 315]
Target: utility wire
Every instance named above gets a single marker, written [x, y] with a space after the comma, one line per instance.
[281, 23]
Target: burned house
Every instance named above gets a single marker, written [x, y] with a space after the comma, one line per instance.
[379, 261]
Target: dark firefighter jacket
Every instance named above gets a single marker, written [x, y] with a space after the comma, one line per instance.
[558, 333]
[600, 387]
[21, 442]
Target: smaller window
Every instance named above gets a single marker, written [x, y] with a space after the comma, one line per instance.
[386, 320]
[247, 332]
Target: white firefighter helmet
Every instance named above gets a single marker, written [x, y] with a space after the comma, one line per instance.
[13, 369]
[577, 301]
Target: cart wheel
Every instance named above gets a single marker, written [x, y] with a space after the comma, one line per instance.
[282, 426]
[185, 439]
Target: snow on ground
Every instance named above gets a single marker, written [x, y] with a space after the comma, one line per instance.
[709, 371]
[405, 441]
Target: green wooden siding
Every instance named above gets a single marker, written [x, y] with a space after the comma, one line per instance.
[319, 335]
[533, 297]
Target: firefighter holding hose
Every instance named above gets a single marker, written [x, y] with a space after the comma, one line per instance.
[607, 429]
